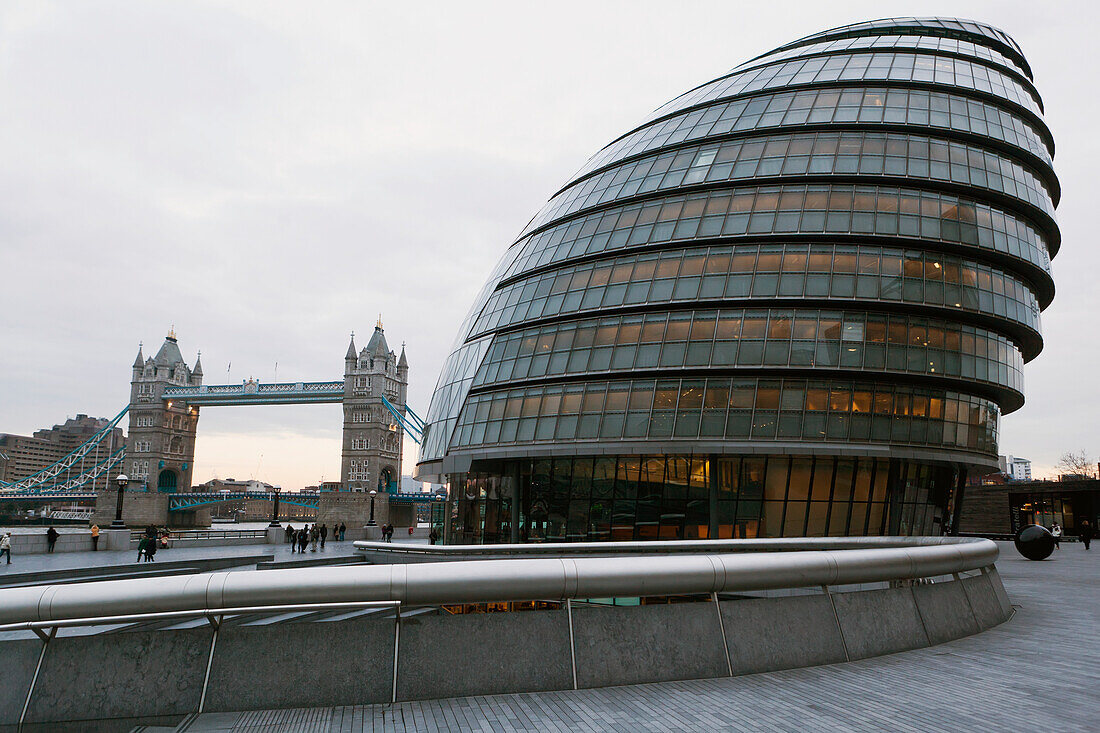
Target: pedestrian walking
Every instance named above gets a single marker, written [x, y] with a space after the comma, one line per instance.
[51, 538]
[143, 545]
[290, 535]
[433, 536]
[314, 535]
[303, 538]
[95, 537]
[293, 542]
[1084, 533]
[151, 550]
[1056, 532]
[5, 546]
[343, 529]
[324, 535]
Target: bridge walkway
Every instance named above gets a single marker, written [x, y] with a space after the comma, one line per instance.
[1038, 671]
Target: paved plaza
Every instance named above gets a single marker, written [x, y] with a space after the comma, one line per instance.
[40, 562]
[1040, 670]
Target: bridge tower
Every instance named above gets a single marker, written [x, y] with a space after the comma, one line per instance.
[371, 455]
[160, 446]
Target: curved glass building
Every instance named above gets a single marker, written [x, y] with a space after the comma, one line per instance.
[795, 300]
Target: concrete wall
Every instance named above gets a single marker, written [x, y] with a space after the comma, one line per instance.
[147, 673]
[70, 540]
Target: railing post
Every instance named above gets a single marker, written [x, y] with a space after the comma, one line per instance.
[216, 622]
[396, 647]
[839, 628]
[572, 645]
[722, 626]
[37, 668]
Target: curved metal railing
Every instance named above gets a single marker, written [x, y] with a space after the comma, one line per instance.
[633, 569]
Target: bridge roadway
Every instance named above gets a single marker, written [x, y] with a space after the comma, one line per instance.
[1040, 670]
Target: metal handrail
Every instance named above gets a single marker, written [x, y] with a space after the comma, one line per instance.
[692, 570]
[649, 547]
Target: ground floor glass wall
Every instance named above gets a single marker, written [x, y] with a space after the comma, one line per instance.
[667, 497]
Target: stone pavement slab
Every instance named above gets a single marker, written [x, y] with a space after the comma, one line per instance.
[1038, 671]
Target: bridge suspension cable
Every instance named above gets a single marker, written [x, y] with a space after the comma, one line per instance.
[412, 429]
[51, 477]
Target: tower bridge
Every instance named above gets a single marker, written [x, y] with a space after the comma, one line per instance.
[166, 395]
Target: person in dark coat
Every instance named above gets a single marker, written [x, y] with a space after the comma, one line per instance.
[324, 535]
[303, 538]
[289, 534]
[51, 538]
[1084, 533]
[433, 536]
[143, 545]
[343, 530]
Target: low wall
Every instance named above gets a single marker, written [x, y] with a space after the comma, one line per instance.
[149, 673]
[70, 540]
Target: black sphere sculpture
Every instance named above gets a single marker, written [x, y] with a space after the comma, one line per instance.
[1035, 542]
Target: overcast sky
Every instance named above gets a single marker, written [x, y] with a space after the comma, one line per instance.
[268, 177]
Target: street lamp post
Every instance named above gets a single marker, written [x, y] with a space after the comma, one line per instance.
[371, 522]
[122, 481]
[275, 509]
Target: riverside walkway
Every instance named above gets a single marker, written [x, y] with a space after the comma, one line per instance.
[1039, 670]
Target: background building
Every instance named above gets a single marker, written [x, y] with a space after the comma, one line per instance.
[22, 456]
[796, 300]
[1015, 468]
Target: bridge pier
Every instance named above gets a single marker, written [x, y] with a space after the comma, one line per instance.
[353, 509]
[142, 508]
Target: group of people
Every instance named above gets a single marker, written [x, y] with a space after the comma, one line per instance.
[298, 539]
[1084, 533]
[150, 541]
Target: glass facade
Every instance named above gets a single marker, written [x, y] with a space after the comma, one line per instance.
[796, 300]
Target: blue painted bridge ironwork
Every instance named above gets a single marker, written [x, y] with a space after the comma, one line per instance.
[43, 497]
[189, 501]
[253, 392]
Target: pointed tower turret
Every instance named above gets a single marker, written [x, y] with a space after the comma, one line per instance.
[403, 363]
[196, 373]
[139, 362]
[377, 345]
[350, 357]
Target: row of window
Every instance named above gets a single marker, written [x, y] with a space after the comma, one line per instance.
[139, 470]
[739, 408]
[670, 497]
[142, 446]
[899, 66]
[927, 43]
[825, 153]
[764, 210]
[947, 27]
[915, 107]
[358, 471]
[870, 273]
[799, 338]
[450, 392]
